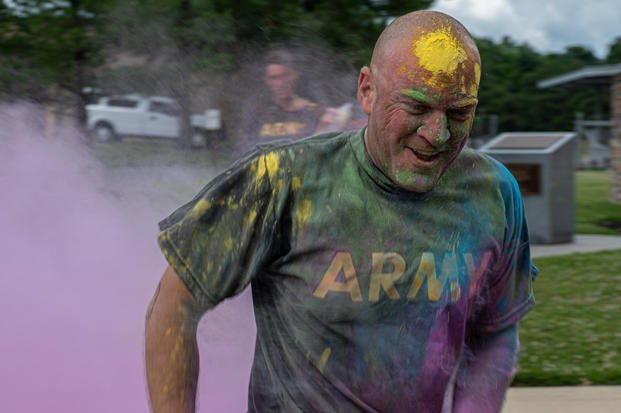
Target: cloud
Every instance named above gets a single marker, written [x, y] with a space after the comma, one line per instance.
[548, 26]
[80, 264]
[487, 11]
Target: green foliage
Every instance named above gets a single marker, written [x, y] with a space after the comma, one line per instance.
[614, 51]
[509, 89]
[349, 27]
[572, 336]
[54, 41]
[581, 54]
[217, 33]
[76, 43]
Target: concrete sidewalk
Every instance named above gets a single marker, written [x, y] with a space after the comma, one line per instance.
[582, 243]
[570, 399]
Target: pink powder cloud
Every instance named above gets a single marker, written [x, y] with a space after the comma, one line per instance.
[79, 266]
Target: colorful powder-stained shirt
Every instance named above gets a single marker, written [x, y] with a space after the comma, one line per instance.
[363, 293]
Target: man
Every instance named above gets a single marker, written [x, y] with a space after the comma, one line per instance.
[285, 114]
[389, 266]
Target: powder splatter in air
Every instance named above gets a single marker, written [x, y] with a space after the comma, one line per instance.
[81, 265]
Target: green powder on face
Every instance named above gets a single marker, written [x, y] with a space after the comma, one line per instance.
[418, 95]
[404, 178]
[444, 134]
[407, 178]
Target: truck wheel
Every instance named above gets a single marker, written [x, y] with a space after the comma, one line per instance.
[102, 132]
[198, 139]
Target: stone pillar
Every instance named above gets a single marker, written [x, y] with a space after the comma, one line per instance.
[615, 140]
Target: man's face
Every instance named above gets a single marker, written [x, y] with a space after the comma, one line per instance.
[421, 105]
[281, 80]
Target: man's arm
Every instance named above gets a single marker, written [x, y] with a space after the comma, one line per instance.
[171, 349]
[486, 371]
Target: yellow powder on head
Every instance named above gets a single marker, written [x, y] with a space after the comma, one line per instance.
[407, 71]
[441, 53]
[474, 87]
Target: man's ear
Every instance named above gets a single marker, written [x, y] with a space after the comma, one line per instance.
[366, 90]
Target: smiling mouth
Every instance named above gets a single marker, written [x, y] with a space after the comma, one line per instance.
[426, 156]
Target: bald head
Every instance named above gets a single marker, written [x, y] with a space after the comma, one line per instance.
[432, 41]
[420, 94]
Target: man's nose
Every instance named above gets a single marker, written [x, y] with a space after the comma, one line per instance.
[435, 129]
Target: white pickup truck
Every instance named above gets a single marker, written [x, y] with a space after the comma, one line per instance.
[114, 117]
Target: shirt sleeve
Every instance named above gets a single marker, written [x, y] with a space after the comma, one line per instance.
[218, 242]
[508, 293]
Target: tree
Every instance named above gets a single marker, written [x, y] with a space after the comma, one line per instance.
[508, 89]
[56, 41]
[581, 54]
[614, 52]
[350, 27]
[61, 41]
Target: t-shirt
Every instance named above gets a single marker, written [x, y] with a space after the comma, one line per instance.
[270, 122]
[363, 293]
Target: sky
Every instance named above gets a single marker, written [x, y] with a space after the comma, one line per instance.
[547, 25]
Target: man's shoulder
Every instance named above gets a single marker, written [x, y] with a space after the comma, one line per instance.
[315, 156]
[473, 166]
[474, 172]
[312, 146]
[474, 161]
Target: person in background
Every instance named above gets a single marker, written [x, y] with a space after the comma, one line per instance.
[285, 115]
[389, 266]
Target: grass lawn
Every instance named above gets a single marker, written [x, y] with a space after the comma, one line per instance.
[137, 152]
[573, 335]
[593, 209]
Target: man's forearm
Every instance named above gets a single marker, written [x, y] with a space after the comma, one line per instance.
[486, 372]
[171, 353]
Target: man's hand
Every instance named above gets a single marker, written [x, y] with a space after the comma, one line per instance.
[486, 372]
[171, 350]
